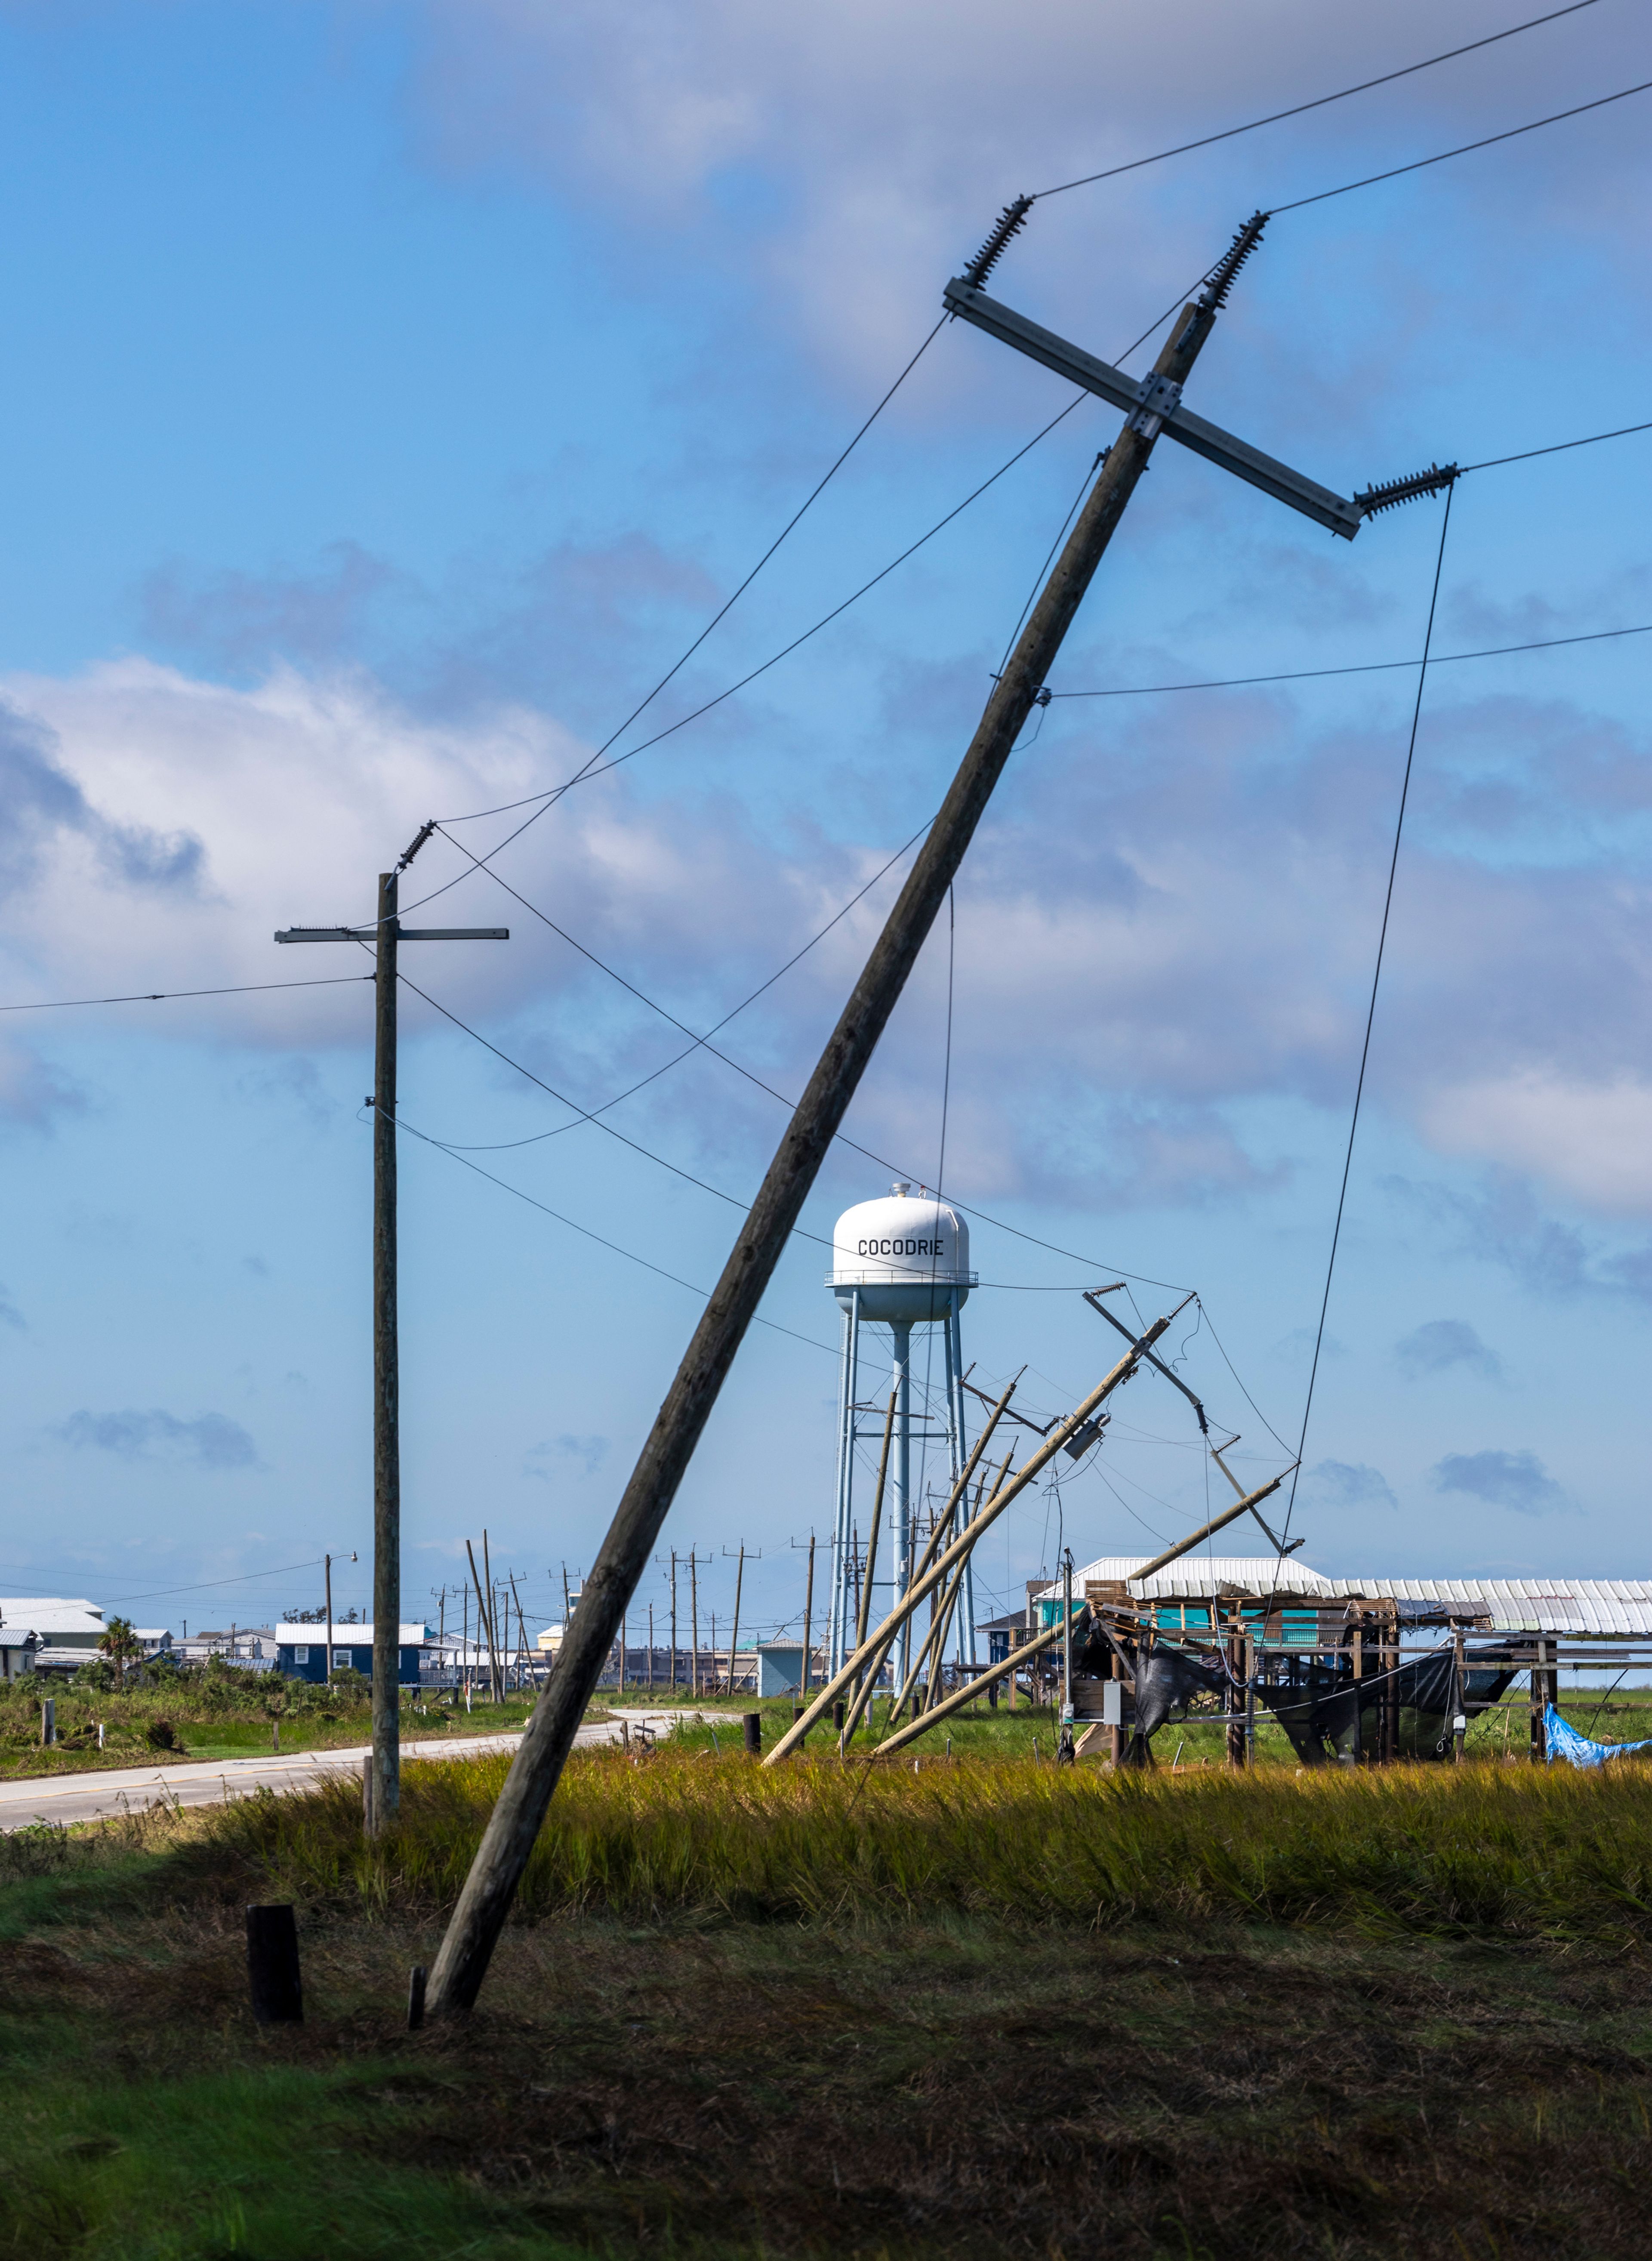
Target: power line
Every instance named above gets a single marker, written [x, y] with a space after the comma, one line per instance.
[1421, 164]
[1298, 109]
[167, 996]
[1371, 1017]
[635, 1145]
[160, 1593]
[630, 1255]
[1089, 1262]
[505, 1146]
[1559, 448]
[723, 611]
[595, 767]
[1364, 667]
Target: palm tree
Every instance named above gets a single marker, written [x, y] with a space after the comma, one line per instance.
[119, 1642]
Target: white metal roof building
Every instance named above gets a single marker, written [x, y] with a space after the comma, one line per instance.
[1552, 1605]
[1585, 1605]
[1196, 1574]
[64, 1624]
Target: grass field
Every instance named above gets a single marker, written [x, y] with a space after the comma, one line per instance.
[1612, 1715]
[989, 2008]
[230, 1715]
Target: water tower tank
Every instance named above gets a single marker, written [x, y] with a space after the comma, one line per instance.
[908, 1254]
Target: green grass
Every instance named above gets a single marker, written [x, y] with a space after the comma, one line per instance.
[1276, 2044]
[208, 1716]
[1621, 1715]
[1511, 1850]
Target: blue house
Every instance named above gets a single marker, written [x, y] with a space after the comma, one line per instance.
[301, 1651]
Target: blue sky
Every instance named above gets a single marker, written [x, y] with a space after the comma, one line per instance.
[395, 390]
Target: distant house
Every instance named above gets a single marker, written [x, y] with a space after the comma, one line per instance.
[18, 1647]
[301, 1651]
[66, 1633]
[250, 1647]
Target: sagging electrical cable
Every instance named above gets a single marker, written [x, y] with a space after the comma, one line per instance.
[171, 996]
[1364, 667]
[1320, 101]
[596, 767]
[573, 1225]
[1488, 141]
[727, 1060]
[1370, 1018]
[724, 609]
[699, 1043]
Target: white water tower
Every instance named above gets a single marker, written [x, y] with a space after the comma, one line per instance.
[901, 1262]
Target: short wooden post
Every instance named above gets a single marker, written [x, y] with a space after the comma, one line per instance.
[1540, 1690]
[1237, 1753]
[272, 1966]
[49, 1719]
[1359, 1675]
[754, 1734]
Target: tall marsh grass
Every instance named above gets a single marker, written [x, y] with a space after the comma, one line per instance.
[1517, 1850]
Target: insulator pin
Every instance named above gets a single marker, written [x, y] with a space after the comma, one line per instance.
[1219, 281]
[1009, 223]
[1376, 498]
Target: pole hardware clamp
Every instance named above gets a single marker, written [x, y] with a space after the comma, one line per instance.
[1159, 397]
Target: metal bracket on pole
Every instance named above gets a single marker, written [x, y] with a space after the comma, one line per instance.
[1142, 404]
[403, 933]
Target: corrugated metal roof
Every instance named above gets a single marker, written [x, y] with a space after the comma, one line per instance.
[1577, 1605]
[344, 1636]
[1620, 1605]
[1195, 1574]
[51, 1614]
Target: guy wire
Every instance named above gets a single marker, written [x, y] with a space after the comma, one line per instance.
[1370, 1016]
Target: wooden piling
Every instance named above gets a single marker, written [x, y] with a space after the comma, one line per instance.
[272, 1965]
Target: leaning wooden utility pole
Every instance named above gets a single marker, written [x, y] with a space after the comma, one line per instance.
[386, 931]
[1152, 406]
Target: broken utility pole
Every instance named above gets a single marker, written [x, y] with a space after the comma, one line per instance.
[384, 936]
[1154, 406]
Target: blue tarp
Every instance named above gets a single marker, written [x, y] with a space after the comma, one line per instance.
[1565, 1742]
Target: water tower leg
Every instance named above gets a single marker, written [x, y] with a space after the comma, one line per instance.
[843, 1569]
[900, 1520]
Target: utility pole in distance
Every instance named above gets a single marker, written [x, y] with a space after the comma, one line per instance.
[384, 936]
[1154, 406]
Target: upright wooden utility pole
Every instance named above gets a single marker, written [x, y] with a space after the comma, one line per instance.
[385, 933]
[693, 1623]
[1153, 406]
[809, 1613]
[733, 1637]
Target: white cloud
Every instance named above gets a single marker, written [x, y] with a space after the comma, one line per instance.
[857, 150]
[1168, 920]
[1590, 1142]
